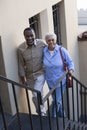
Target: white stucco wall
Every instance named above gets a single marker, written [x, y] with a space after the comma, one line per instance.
[14, 17]
[69, 31]
[72, 32]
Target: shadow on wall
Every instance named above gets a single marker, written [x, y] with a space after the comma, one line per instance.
[3, 89]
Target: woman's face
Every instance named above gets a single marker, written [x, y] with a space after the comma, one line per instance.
[51, 41]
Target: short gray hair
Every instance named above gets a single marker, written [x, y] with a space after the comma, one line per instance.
[51, 34]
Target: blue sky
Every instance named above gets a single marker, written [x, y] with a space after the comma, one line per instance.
[82, 4]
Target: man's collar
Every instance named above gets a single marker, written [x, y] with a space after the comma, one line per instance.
[35, 42]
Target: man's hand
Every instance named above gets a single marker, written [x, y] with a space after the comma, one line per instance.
[23, 79]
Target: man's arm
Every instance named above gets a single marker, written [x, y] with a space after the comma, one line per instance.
[23, 80]
[21, 67]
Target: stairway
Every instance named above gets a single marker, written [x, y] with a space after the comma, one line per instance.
[75, 102]
[25, 123]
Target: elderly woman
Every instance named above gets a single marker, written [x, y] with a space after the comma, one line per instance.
[53, 65]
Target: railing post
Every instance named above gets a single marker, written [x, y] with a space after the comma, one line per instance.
[67, 96]
[3, 115]
[16, 104]
[39, 98]
[28, 101]
[62, 103]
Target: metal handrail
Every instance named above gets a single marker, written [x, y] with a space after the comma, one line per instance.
[52, 90]
[18, 84]
[27, 89]
[78, 95]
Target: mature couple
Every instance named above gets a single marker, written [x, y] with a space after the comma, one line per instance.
[39, 61]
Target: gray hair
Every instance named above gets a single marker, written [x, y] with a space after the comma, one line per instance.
[51, 34]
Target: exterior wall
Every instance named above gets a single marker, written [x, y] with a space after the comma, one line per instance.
[82, 20]
[82, 27]
[69, 31]
[83, 61]
[14, 18]
[82, 17]
[70, 10]
[3, 89]
[82, 43]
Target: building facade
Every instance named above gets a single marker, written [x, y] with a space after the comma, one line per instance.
[59, 16]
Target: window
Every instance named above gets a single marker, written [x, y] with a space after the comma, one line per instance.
[56, 21]
[34, 23]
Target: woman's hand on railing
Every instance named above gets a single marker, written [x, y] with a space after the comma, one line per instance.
[71, 72]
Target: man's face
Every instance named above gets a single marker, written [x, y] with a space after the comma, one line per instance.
[29, 37]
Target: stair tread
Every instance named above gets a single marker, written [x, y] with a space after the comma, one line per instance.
[26, 125]
[7, 118]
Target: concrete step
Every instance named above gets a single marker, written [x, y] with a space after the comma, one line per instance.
[7, 118]
[25, 123]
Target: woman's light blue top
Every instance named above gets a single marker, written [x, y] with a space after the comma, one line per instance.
[53, 64]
